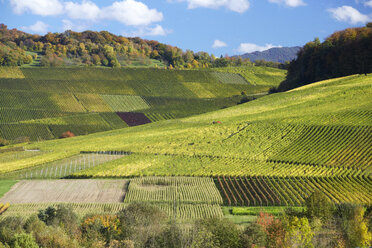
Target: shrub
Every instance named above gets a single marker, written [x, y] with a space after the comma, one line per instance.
[354, 225]
[253, 236]
[4, 142]
[9, 226]
[22, 139]
[140, 222]
[225, 233]
[67, 134]
[24, 240]
[319, 206]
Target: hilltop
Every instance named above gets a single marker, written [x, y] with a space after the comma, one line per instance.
[276, 54]
[102, 49]
[343, 53]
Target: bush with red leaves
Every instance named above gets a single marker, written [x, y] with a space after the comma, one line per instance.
[67, 134]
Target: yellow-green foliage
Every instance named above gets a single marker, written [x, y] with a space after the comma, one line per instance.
[257, 75]
[10, 72]
[93, 103]
[298, 232]
[170, 189]
[184, 212]
[121, 103]
[199, 90]
[255, 131]
[250, 140]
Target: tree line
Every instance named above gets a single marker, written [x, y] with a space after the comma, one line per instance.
[344, 53]
[322, 224]
[103, 49]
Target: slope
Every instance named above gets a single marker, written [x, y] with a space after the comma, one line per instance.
[285, 145]
[42, 103]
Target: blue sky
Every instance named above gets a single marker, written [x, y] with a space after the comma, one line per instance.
[215, 26]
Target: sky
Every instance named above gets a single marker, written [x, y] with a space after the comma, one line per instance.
[218, 27]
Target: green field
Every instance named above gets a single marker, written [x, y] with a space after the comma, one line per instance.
[42, 103]
[270, 153]
[5, 186]
[286, 145]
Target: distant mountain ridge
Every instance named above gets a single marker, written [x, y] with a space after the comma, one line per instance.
[276, 54]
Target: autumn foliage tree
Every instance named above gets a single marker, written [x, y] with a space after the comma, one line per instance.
[344, 53]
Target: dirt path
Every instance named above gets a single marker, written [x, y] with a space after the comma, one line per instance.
[82, 190]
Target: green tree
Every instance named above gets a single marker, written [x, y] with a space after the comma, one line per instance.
[318, 206]
[140, 222]
[253, 236]
[24, 240]
[225, 233]
[204, 239]
[298, 232]
[355, 225]
[171, 237]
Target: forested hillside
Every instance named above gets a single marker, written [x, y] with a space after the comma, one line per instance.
[344, 53]
[99, 49]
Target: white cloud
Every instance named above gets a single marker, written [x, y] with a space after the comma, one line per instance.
[132, 13]
[148, 31]
[87, 10]
[239, 6]
[128, 12]
[69, 25]
[37, 7]
[250, 47]
[290, 3]
[368, 3]
[219, 44]
[39, 27]
[349, 14]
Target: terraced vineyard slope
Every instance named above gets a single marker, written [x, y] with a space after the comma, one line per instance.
[43, 103]
[275, 150]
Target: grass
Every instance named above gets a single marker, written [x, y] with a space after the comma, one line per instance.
[5, 186]
[246, 215]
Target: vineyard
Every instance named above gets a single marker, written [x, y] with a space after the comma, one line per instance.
[25, 210]
[173, 189]
[59, 168]
[272, 152]
[42, 103]
[291, 191]
[254, 75]
[182, 198]
[184, 212]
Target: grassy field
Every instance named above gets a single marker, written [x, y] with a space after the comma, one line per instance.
[42, 103]
[5, 186]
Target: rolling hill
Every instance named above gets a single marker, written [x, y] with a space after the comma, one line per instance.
[43, 103]
[276, 54]
[281, 147]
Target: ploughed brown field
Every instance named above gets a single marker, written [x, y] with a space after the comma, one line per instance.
[92, 191]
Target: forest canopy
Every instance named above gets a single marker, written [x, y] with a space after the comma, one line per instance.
[344, 53]
[102, 49]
